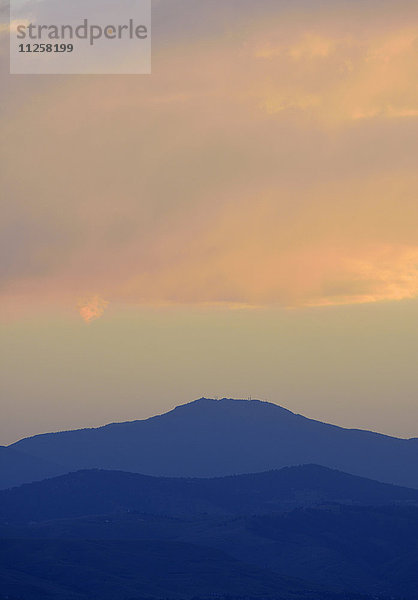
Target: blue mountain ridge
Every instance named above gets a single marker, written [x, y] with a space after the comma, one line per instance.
[210, 438]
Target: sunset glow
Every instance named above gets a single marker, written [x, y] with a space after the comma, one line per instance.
[258, 190]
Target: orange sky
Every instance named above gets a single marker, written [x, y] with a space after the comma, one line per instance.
[269, 162]
[273, 162]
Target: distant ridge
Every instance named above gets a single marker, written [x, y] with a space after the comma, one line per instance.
[17, 467]
[97, 492]
[209, 438]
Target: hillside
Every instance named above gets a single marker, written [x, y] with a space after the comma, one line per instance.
[343, 551]
[135, 570]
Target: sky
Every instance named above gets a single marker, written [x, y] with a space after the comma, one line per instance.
[241, 222]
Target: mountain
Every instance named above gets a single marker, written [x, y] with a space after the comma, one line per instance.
[209, 438]
[115, 535]
[279, 535]
[18, 467]
[114, 492]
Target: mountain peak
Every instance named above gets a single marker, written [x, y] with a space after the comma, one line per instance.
[232, 404]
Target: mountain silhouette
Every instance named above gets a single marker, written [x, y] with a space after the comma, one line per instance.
[116, 492]
[209, 438]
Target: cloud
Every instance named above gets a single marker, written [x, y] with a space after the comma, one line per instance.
[92, 308]
[241, 172]
[343, 77]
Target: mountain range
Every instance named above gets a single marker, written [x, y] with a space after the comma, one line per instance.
[228, 499]
[212, 438]
[301, 533]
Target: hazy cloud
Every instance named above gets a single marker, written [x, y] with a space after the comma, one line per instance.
[268, 160]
